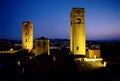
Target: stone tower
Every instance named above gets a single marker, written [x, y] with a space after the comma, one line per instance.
[27, 35]
[42, 46]
[77, 32]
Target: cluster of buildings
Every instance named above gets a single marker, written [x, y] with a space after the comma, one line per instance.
[41, 44]
[77, 37]
[77, 47]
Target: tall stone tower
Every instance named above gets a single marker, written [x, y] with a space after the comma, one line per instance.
[77, 32]
[27, 35]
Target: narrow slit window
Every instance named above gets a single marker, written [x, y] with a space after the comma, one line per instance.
[71, 23]
[77, 48]
[26, 40]
[26, 33]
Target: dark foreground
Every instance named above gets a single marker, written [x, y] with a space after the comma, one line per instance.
[44, 68]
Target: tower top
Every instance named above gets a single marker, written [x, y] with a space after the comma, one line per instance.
[77, 32]
[27, 22]
[74, 9]
[77, 8]
[42, 38]
[77, 11]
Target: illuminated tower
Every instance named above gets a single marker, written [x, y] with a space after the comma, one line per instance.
[42, 46]
[77, 32]
[27, 35]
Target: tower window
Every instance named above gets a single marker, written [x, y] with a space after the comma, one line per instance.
[77, 48]
[26, 40]
[78, 21]
[44, 43]
[26, 25]
[38, 44]
[78, 11]
[26, 33]
[71, 22]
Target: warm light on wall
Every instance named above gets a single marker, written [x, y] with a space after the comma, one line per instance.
[27, 36]
[11, 49]
[18, 63]
[94, 63]
[42, 46]
[93, 59]
[91, 53]
[104, 65]
[77, 32]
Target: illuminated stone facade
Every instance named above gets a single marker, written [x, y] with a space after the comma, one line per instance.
[27, 35]
[77, 32]
[93, 53]
[42, 46]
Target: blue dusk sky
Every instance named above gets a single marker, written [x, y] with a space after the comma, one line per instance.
[51, 18]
